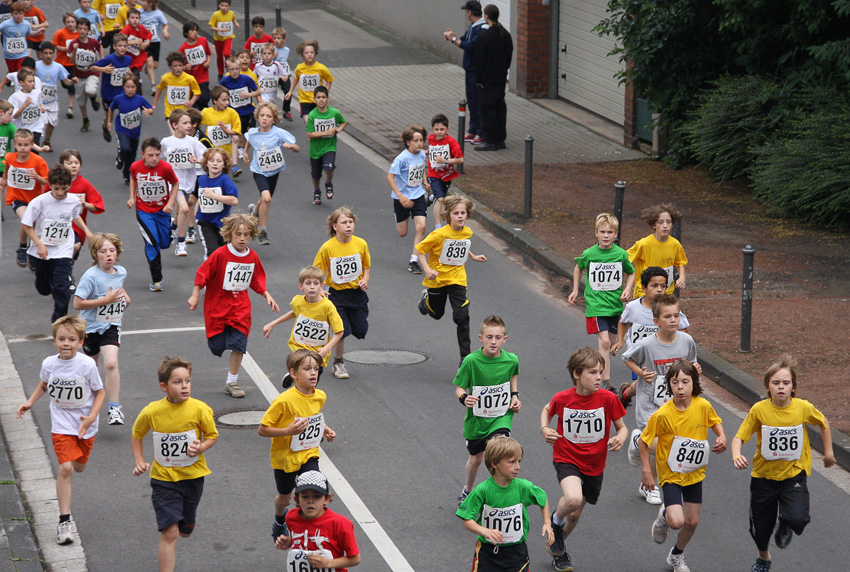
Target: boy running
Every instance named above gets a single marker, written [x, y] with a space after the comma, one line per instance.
[323, 125]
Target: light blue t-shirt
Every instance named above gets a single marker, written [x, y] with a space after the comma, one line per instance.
[409, 171]
[153, 21]
[95, 283]
[281, 56]
[50, 77]
[93, 17]
[15, 39]
[268, 158]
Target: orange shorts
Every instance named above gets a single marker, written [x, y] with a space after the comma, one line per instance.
[71, 448]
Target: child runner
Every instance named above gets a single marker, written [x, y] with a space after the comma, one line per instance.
[182, 152]
[101, 299]
[24, 177]
[114, 68]
[183, 430]
[281, 56]
[223, 23]
[323, 124]
[156, 23]
[269, 73]
[51, 75]
[222, 125]
[444, 153]
[497, 510]
[782, 461]
[308, 76]
[255, 43]
[138, 40]
[347, 266]
[216, 196]
[128, 109]
[580, 442]
[84, 12]
[486, 384]
[447, 249]
[227, 274]
[27, 104]
[62, 40]
[7, 135]
[407, 178]
[15, 31]
[82, 189]
[245, 63]
[681, 429]
[75, 391]
[153, 190]
[315, 318]
[269, 142]
[607, 266]
[659, 248]
[317, 535]
[38, 23]
[85, 51]
[296, 425]
[196, 48]
[181, 89]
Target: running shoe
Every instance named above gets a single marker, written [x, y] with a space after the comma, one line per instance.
[477, 140]
[279, 529]
[677, 562]
[95, 104]
[252, 210]
[652, 497]
[423, 309]
[287, 116]
[286, 381]
[126, 180]
[72, 283]
[563, 563]
[469, 137]
[119, 162]
[339, 370]
[69, 113]
[107, 136]
[761, 565]
[463, 494]
[263, 238]
[155, 286]
[624, 399]
[21, 256]
[65, 532]
[783, 534]
[86, 124]
[557, 548]
[116, 416]
[634, 452]
[317, 197]
[190, 237]
[234, 390]
[235, 172]
[329, 190]
[659, 527]
[180, 249]
[606, 384]
[413, 267]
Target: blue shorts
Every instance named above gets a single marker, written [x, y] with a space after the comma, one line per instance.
[176, 503]
[17, 204]
[675, 494]
[326, 162]
[419, 208]
[439, 187]
[306, 108]
[229, 339]
[596, 324]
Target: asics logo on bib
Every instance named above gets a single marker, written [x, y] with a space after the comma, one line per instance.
[780, 432]
[583, 414]
[491, 390]
[57, 381]
[694, 444]
[167, 438]
[497, 512]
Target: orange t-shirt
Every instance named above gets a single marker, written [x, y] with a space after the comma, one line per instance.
[35, 12]
[19, 187]
[63, 38]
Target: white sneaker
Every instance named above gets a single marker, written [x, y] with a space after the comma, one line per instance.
[65, 532]
[239, 153]
[180, 250]
[339, 370]
[659, 527]
[116, 416]
[652, 497]
[634, 452]
[251, 210]
[677, 562]
[190, 237]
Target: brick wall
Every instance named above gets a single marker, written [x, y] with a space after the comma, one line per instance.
[532, 48]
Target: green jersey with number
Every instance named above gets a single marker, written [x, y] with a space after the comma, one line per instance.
[606, 272]
[503, 508]
[321, 122]
[480, 371]
[7, 134]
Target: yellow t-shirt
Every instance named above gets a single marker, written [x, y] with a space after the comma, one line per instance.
[209, 121]
[168, 81]
[108, 10]
[121, 18]
[688, 431]
[343, 263]
[170, 423]
[281, 413]
[447, 252]
[785, 429]
[649, 251]
[252, 75]
[314, 76]
[314, 325]
[218, 18]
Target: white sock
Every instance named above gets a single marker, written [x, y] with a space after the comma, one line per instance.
[437, 225]
[414, 258]
[559, 521]
[232, 378]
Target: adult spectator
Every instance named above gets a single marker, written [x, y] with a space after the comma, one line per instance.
[491, 63]
[467, 43]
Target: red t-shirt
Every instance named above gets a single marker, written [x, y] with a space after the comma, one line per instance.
[153, 186]
[254, 45]
[20, 186]
[89, 53]
[227, 278]
[139, 56]
[331, 531]
[449, 148]
[197, 52]
[584, 422]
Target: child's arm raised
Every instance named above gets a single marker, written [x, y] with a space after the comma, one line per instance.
[720, 441]
[39, 390]
[576, 281]
[197, 446]
[465, 398]
[516, 404]
[267, 329]
[108, 298]
[826, 436]
[640, 371]
[549, 434]
[294, 428]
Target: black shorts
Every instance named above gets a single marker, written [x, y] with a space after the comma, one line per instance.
[306, 108]
[352, 304]
[247, 121]
[326, 162]
[153, 51]
[266, 182]
[229, 339]
[419, 208]
[500, 558]
[478, 445]
[106, 39]
[176, 502]
[16, 204]
[675, 494]
[34, 45]
[439, 187]
[285, 482]
[71, 71]
[94, 341]
[596, 324]
[590, 486]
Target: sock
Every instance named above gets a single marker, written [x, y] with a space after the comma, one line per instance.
[464, 492]
[64, 517]
[173, 225]
[437, 225]
[114, 404]
[232, 377]
[558, 521]
[338, 360]
[414, 258]
[23, 245]
[181, 239]
[676, 550]
[280, 518]
[260, 228]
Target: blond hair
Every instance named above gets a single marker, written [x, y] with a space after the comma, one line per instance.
[74, 323]
[609, 219]
[96, 243]
[332, 220]
[786, 361]
[498, 448]
[275, 110]
[451, 201]
[232, 222]
[310, 272]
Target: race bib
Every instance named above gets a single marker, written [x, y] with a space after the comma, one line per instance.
[210, 206]
[172, 449]
[67, 393]
[33, 20]
[225, 29]
[435, 151]
[781, 443]
[605, 276]
[16, 45]
[311, 436]
[31, 114]
[638, 332]
[84, 58]
[219, 136]
[239, 97]
[178, 95]
[455, 252]
[130, 120]
[583, 425]
[415, 174]
[116, 78]
[237, 276]
[670, 275]
[267, 83]
[133, 48]
[310, 332]
[179, 157]
[344, 269]
[196, 56]
[152, 191]
[4, 146]
[660, 395]
[21, 178]
[48, 93]
[256, 48]
[154, 30]
[111, 313]
[309, 82]
[324, 125]
[687, 455]
[493, 400]
[296, 560]
[112, 11]
[55, 232]
[270, 159]
[506, 520]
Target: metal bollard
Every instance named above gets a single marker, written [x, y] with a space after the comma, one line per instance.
[193, 4]
[461, 128]
[248, 29]
[747, 299]
[529, 163]
[278, 20]
[619, 194]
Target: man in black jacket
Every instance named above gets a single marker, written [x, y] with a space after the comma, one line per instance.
[492, 61]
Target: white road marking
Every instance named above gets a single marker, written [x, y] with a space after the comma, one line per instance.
[123, 333]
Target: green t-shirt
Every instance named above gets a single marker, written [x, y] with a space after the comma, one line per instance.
[503, 508]
[489, 380]
[320, 122]
[604, 280]
[7, 134]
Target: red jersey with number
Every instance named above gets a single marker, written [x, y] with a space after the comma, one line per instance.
[331, 531]
[448, 148]
[139, 56]
[153, 186]
[84, 54]
[227, 277]
[254, 45]
[194, 53]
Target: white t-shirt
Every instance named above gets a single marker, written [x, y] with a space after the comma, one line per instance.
[176, 152]
[30, 118]
[51, 219]
[64, 376]
[641, 322]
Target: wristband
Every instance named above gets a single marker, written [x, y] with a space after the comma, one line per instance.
[736, 458]
[514, 393]
[462, 398]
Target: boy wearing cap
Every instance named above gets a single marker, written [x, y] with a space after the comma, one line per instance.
[317, 535]
[467, 42]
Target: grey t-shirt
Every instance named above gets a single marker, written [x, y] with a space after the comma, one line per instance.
[658, 357]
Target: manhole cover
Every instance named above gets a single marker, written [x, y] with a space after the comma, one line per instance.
[385, 357]
[243, 418]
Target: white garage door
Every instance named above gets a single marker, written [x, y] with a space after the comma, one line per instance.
[585, 70]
